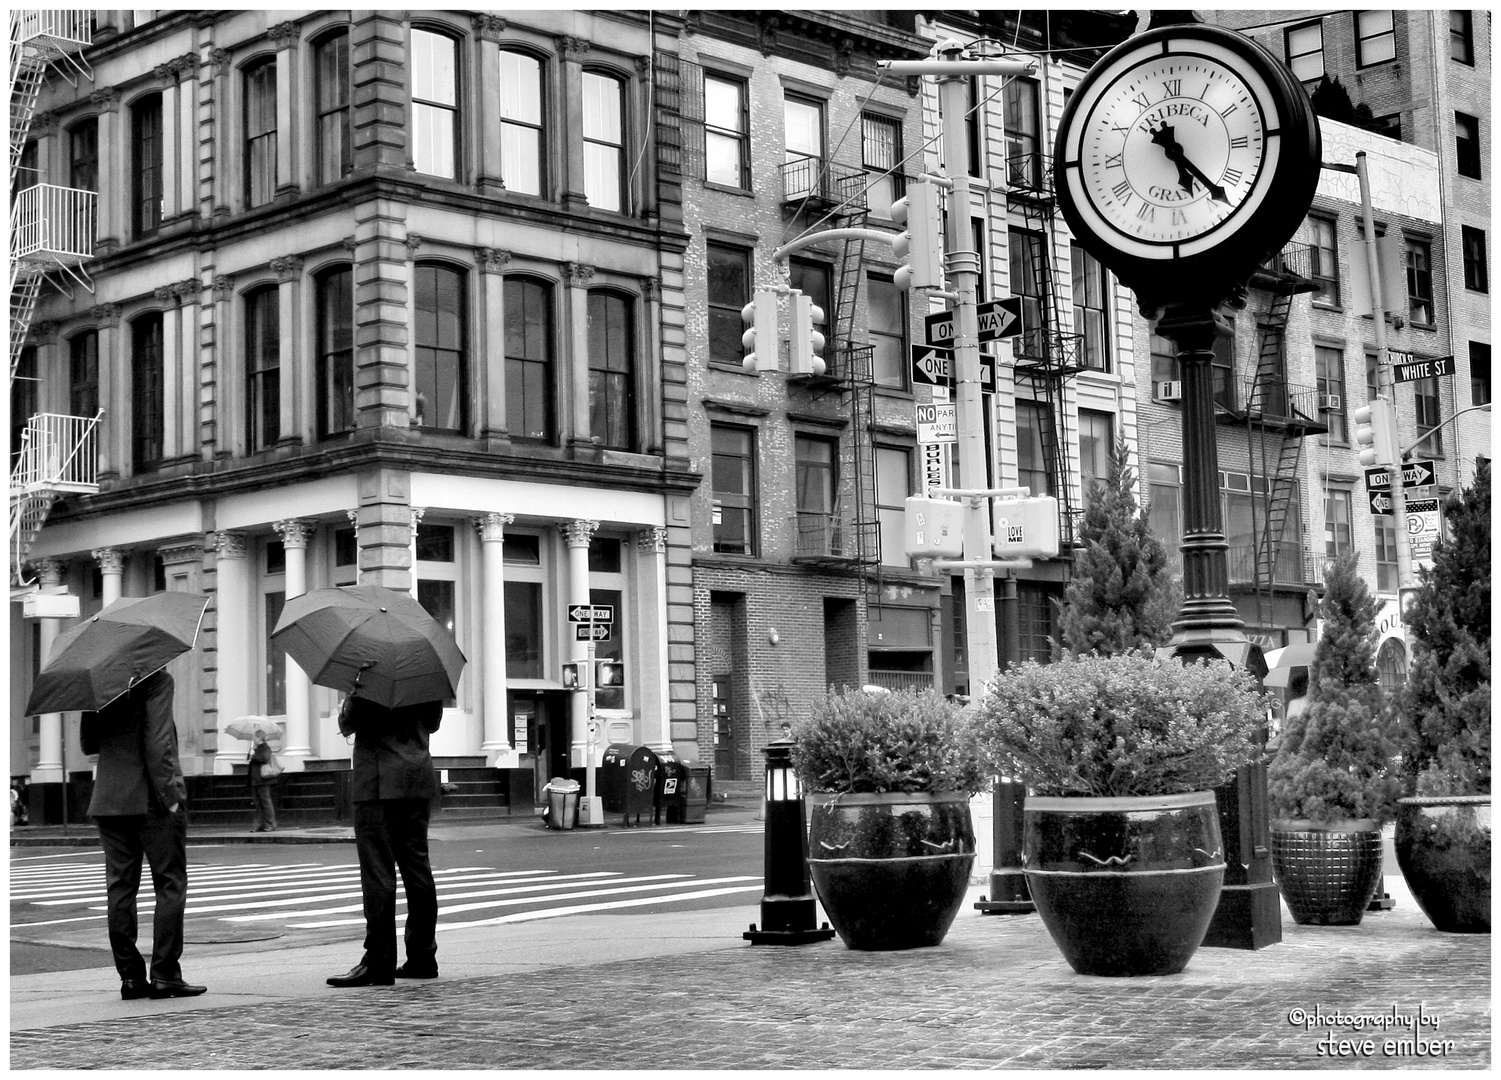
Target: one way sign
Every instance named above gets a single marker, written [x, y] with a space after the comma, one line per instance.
[1000, 318]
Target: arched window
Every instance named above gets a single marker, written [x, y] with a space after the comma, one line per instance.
[335, 352]
[334, 151]
[262, 368]
[1391, 665]
[146, 165]
[147, 398]
[435, 103]
[522, 138]
[529, 352]
[442, 364]
[260, 133]
[83, 373]
[612, 370]
[604, 141]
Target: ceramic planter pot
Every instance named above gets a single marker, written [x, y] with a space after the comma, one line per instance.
[1327, 875]
[891, 869]
[1126, 886]
[1444, 851]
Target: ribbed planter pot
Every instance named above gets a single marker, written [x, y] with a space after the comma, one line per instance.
[1126, 886]
[1327, 874]
[891, 869]
[1444, 851]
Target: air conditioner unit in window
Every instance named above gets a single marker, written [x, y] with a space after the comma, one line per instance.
[1169, 391]
[1330, 403]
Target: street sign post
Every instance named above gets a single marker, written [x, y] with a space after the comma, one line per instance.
[1414, 370]
[1415, 474]
[938, 423]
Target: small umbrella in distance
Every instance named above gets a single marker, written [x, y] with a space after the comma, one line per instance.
[378, 639]
[106, 654]
[248, 727]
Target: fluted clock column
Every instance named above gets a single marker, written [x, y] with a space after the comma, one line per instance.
[294, 535]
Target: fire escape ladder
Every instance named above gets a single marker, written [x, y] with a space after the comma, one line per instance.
[23, 294]
[1268, 400]
[27, 72]
[57, 455]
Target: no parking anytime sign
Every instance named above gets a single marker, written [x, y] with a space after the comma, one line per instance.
[1424, 525]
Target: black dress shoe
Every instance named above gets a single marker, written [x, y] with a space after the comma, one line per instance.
[411, 971]
[134, 989]
[360, 975]
[171, 988]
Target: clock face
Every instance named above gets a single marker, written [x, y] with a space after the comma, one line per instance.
[1171, 149]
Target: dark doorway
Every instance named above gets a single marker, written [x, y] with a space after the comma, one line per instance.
[544, 713]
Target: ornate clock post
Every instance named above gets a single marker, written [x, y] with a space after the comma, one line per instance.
[1186, 156]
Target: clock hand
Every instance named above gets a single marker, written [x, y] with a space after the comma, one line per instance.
[1165, 138]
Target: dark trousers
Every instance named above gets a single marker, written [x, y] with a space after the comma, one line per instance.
[389, 834]
[162, 839]
[265, 813]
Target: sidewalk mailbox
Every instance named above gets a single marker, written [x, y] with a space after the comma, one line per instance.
[627, 781]
[667, 792]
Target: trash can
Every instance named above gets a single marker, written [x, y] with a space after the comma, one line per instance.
[672, 778]
[562, 803]
[697, 789]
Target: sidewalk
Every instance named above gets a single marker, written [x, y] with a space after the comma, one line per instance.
[681, 990]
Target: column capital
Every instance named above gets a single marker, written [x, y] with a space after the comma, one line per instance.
[573, 48]
[295, 532]
[579, 533]
[651, 288]
[284, 35]
[187, 292]
[105, 100]
[287, 267]
[187, 64]
[492, 527]
[224, 286]
[106, 314]
[488, 27]
[218, 58]
[166, 73]
[653, 540]
[413, 242]
[492, 260]
[49, 571]
[110, 560]
[578, 275]
[229, 545]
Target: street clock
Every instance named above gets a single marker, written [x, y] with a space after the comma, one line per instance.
[1186, 156]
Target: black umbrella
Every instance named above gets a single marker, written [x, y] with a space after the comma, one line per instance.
[380, 640]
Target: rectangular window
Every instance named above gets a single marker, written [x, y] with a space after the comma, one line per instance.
[1473, 244]
[521, 130]
[816, 489]
[1033, 433]
[1037, 620]
[726, 126]
[1023, 141]
[1375, 38]
[1427, 413]
[1480, 373]
[803, 125]
[83, 374]
[435, 103]
[1305, 51]
[441, 375]
[1164, 360]
[1095, 443]
[24, 397]
[1419, 282]
[1330, 368]
[260, 134]
[893, 485]
[974, 116]
[83, 156]
[1372, 377]
[276, 657]
[734, 478]
[612, 371]
[147, 399]
[523, 628]
[729, 291]
[1386, 553]
[1324, 248]
[1165, 512]
[888, 332]
[882, 155]
[335, 352]
[1337, 503]
[1222, 372]
[604, 142]
[612, 648]
[435, 543]
[816, 280]
[1467, 145]
[1091, 315]
[1462, 37]
[335, 150]
[146, 164]
[529, 359]
[1026, 251]
[263, 368]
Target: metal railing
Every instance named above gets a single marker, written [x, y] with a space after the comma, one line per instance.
[54, 221]
[902, 680]
[823, 182]
[1277, 399]
[62, 30]
[1030, 173]
[1295, 260]
[58, 453]
[820, 535]
[1290, 567]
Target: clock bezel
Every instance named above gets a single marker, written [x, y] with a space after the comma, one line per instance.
[1223, 257]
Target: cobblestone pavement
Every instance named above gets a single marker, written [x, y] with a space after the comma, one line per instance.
[996, 993]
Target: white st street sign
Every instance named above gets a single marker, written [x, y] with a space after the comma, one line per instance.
[1414, 370]
[591, 613]
[938, 423]
[1415, 474]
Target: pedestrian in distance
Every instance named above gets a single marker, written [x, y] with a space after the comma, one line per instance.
[393, 784]
[137, 805]
[261, 783]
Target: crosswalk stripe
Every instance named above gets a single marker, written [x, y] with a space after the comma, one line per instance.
[581, 909]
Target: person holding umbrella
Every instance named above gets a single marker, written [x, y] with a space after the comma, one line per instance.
[111, 666]
[397, 665]
[261, 779]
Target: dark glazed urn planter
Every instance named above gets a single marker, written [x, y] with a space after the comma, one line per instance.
[1444, 851]
[1126, 886]
[1327, 875]
[891, 869]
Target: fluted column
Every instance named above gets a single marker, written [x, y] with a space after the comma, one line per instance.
[233, 647]
[577, 535]
[574, 368]
[112, 216]
[295, 534]
[653, 698]
[49, 765]
[487, 31]
[286, 36]
[573, 50]
[492, 264]
[111, 571]
[291, 407]
[417, 512]
[114, 390]
[497, 743]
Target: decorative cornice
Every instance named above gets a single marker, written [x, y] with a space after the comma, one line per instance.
[105, 100]
[577, 274]
[163, 293]
[579, 533]
[691, 22]
[914, 85]
[165, 72]
[187, 64]
[110, 560]
[844, 53]
[229, 545]
[492, 527]
[767, 31]
[284, 35]
[573, 48]
[652, 540]
[488, 27]
[295, 532]
[350, 244]
[492, 260]
[287, 267]
[184, 551]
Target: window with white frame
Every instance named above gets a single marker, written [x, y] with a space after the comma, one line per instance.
[607, 588]
[1091, 311]
[1304, 46]
[526, 623]
[1165, 511]
[604, 141]
[893, 485]
[1329, 364]
[522, 132]
[436, 567]
[435, 103]
[726, 131]
[260, 133]
[1375, 38]
[888, 332]
[1095, 443]
[881, 142]
[263, 368]
[334, 138]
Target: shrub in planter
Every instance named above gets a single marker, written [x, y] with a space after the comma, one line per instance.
[890, 842]
[1443, 715]
[1121, 842]
[1333, 784]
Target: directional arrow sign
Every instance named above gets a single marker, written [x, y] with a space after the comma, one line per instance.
[587, 613]
[1415, 474]
[1000, 318]
[935, 367]
[1381, 502]
[940, 328]
[1423, 369]
[592, 632]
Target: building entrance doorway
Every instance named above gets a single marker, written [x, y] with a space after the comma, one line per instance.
[724, 739]
[543, 715]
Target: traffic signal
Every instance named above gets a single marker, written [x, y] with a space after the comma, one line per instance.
[807, 342]
[608, 673]
[1025, 528]
[760, 340]
[920, 248]
[1376, 433]
[571, 675]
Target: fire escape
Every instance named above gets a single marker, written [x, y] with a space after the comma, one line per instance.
[1278, 416]
[51, 237]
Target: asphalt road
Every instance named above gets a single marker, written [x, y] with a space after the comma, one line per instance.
[292, 896]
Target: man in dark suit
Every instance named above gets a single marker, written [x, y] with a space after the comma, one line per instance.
[137, 805]
[393, 785]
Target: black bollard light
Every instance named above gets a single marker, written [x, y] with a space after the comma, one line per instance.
[1009, 894]
[788, 912]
